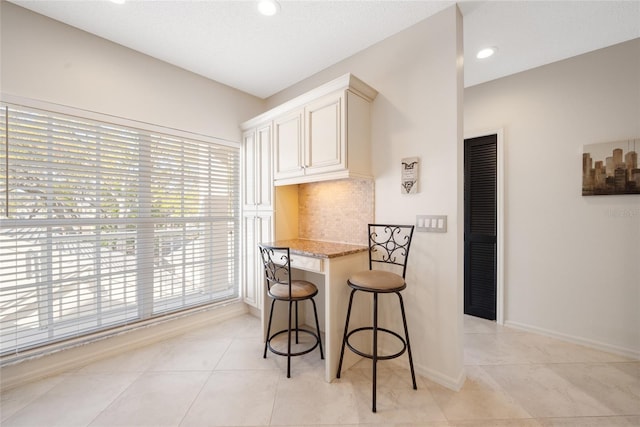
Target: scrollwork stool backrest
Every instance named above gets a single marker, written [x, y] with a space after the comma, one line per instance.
[277, 264]
[389, 244]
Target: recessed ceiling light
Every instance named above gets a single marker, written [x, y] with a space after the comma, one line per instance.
[268, 7]
[486, 52]
[118, 1]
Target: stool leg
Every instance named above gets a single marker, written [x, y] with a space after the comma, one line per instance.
[315, 312]
[375, 347]
[346, 329]
[297, 342]
[289, 343]
[266, 342]
[406, 334]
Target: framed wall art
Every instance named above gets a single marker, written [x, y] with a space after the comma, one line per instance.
[409, 175]
[611, 168]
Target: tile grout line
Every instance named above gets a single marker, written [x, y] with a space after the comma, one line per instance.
[137, 377]
[195, 398]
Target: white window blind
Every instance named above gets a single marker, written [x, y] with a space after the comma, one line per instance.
[104, 225]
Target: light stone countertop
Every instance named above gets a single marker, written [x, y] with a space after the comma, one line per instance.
[318, 248]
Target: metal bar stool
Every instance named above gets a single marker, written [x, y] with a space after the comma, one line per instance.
[388, 244]
[280, 287]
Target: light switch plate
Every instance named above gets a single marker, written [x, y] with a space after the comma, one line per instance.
[431, 223]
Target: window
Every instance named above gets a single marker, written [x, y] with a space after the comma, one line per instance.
[104, 225]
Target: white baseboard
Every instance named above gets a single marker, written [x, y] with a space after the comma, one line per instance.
[254, 311]
[597, 345]
[45, 365]
[452, 383]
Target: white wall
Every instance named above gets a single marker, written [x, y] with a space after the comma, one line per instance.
[572, 263]
[49, 61]
[418, 112]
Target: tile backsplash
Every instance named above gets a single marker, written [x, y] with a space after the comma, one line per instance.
[336, 211]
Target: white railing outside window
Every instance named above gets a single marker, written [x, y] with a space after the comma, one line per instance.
[103, 225]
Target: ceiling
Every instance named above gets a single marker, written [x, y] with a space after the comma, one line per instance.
[228, 41]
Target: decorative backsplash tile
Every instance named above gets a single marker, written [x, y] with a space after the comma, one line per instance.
[336, 211]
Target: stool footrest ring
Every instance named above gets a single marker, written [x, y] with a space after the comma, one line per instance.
[379, 357]
[299, 353]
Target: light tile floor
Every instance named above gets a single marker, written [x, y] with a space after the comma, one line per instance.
[216, 376]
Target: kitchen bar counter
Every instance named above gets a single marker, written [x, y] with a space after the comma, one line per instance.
[328, 265]
[318, 248]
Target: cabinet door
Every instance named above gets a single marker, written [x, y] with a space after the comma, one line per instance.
[249, 178]
[264, 168]
[325, 146]
[257, 170]
[288, 150]
[257, 227]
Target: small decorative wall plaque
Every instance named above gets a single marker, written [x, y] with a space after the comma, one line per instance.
[409, 175]
[611, 168]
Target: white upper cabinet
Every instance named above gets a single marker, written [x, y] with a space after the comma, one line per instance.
[324, 142]
[323, 134]
[288, 152]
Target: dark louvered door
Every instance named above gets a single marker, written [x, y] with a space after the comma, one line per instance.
[480, 173]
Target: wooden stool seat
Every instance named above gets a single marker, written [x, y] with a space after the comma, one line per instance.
[300, 289]
[377, 281]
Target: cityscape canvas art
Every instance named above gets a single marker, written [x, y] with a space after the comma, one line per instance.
[611, 168]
